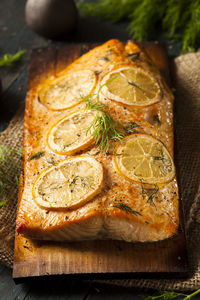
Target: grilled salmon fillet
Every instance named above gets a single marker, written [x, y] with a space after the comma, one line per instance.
[119, 208]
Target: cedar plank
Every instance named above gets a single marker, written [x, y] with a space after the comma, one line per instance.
[96, 257]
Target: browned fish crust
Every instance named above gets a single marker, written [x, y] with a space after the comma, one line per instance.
[106, 215]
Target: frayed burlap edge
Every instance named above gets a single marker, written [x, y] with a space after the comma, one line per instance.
[11, 137]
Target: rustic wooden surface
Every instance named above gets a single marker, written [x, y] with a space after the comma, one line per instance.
[105, 258]
[15, 35]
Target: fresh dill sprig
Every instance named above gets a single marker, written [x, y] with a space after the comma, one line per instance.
[9, 59]
[144, 18]
[175, 17]
[104, 128]
[179, 19]
[167, 295]
[9, 172]
[114, 10]
[192, 30]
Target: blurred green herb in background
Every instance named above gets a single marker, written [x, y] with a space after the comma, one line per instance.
[167, 295]
[145, 16]
[10, 168]
[8, 60]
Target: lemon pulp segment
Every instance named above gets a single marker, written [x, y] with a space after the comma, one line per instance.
[131, 86]
[70, 134]
[142, 158]
[69, 184]
[67, 91]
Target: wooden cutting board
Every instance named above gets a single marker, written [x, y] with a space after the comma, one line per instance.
[107, 259]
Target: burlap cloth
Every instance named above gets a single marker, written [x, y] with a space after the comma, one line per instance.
[186, 81]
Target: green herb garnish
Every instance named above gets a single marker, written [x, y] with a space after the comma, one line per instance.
[9, 173]
[145, 16]
[104, 127]
[37, 155]
[150, 193]
[127, 208]
[167, 295]
[9, 59]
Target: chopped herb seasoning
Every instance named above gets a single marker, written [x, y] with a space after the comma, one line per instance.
[150, 194]
[130, 127]
[165, 161]
[127, 208]
[156, 120]
[86, 182]
[134, 56]
[161, 157]
[37, 155]
[51, 161]
[109, 52]
[26, 247]
[97, 73]
[104, 58]
[135, 85]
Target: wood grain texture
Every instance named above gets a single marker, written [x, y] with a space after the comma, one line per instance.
[95, 258]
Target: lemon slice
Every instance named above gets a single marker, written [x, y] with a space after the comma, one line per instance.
[70, 135]
[142, 158]
[69, 184]
[67, 91]
[131, 86]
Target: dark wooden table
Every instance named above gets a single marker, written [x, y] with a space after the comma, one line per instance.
[15, 35]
